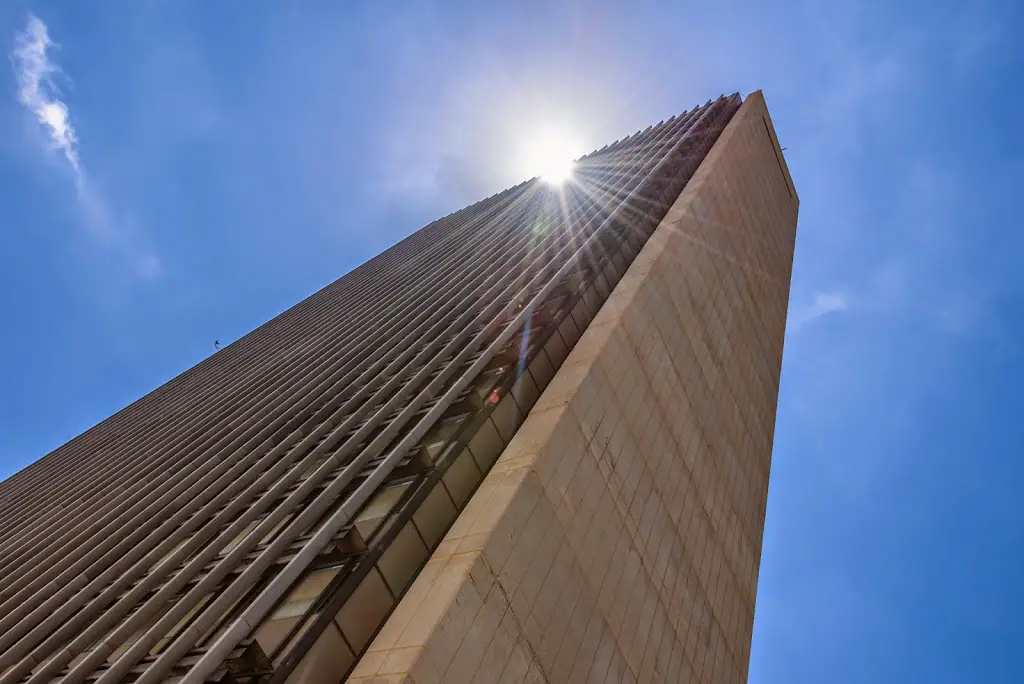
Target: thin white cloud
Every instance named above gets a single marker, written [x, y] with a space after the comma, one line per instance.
[37, 90]
[822, 304]
[35, 73]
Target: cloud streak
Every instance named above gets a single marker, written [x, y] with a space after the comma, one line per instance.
[38, 92]
[35, 73]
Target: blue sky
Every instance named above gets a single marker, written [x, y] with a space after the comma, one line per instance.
[212, 167]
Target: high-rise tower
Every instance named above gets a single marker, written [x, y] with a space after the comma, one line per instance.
[530, 442]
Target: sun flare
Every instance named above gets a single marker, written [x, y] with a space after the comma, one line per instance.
[551, 155]
[555, 170]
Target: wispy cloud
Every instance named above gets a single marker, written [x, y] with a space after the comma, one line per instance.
[822, 304]
[38, 91]
[36, 75]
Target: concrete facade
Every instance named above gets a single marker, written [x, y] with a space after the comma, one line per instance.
[618, 537]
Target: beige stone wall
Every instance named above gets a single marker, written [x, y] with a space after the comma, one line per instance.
[618, 537]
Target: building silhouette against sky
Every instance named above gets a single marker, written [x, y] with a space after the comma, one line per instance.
[530, 442]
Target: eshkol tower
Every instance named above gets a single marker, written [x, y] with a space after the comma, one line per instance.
[530, 442]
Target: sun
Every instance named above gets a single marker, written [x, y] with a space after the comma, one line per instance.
[550, 154]
[555, 169]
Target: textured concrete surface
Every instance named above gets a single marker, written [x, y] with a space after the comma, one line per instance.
[618, 536]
